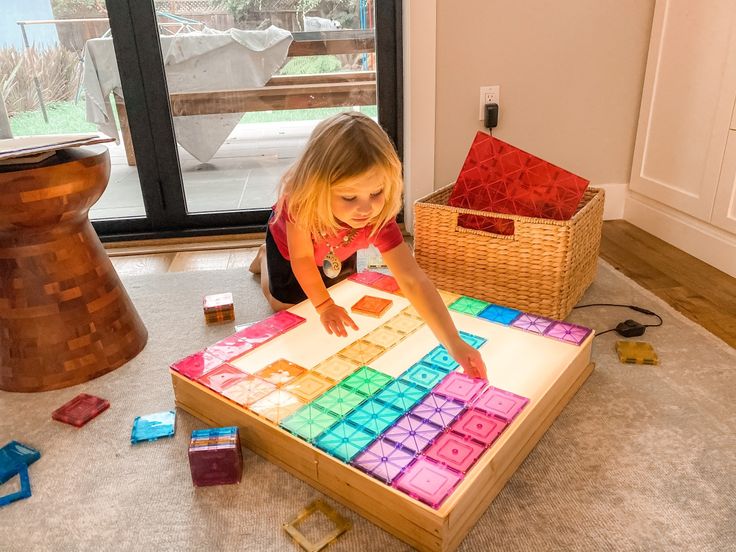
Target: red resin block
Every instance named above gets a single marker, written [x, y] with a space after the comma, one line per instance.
[215, 457]
[80, 410]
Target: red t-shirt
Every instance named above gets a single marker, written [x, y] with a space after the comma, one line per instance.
[385, 239]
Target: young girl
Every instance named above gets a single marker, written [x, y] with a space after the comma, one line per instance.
[341, 195]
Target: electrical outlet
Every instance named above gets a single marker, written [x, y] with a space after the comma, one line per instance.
[488, 94]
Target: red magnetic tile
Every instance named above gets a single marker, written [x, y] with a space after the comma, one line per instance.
[231, 347]
[283, 321]
[223, 377]
[454, 451]
[80, 410]
[366, 277]
[479, 426]
[428, 481]
[386, 283]
[372, 306]
[197, 364]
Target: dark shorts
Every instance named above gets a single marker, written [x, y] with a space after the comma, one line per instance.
[281, 280]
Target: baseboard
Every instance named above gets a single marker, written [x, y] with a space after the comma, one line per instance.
[613, 208]
[701, 240]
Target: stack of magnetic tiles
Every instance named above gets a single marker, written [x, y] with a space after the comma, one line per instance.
[215, 456]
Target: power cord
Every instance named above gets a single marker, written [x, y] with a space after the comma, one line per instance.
[627, 328]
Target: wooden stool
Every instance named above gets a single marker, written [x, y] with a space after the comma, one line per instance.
[65, 317]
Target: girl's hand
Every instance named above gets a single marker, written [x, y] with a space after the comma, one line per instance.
[469, 358]
[335, 318]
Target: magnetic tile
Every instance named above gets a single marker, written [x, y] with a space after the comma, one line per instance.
[338, 400]
[374, 416]
[277, 405]
[12, 454]
[339, 524]
[475, 341]
[336, 368]
[362, 352]
[25, 486]
[404, 323]
[460, 387]
[366, 277]
[308, 386]
[153, 426]
[366, 381]
[308, 422]
[532, 323]
[500, 403]
[423, 375]
[441, 359]
[384, 336]
[469, 305]
[383, 460]
[197, 364]
[80, 410]
[280, 372]
[249, 390]
[479, 426]
[221, 378]
[570, 333]
[636, 352]
[401, 395]
[221, 465]
[217, 317]
[439, 410]
[344, 440]
[412, 433]
[386, 283]
[213, 437]
[370, 305]
[499, 314]
[217, 301]
[454, 451]
[283, 321]
[428, 482]
[447, 297]
[260, 332]
[231, 347]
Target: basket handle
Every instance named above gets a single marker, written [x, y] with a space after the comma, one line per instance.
[462, 230]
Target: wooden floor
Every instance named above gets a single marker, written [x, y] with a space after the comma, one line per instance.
[702, 293]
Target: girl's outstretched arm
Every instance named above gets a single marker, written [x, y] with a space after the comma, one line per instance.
[419, 289]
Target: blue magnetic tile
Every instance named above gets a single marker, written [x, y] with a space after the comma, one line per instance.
[474, 341]
[213, 433]
[374, 416]
[25, 486]
[500, 314]
[13, 454]
[153, 426]
[440, 359]
[423, 375]
[401, 395]
[344, 440]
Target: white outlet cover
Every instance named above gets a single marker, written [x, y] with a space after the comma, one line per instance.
[488, 94]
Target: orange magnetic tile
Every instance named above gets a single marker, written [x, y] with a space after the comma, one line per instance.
[372, 306]
[447, 297]
[336, 368]
[277, 405]
[280, 372]
[384, 337]
[362, 352]
[308, 386]
[248, 391]
[404, 323]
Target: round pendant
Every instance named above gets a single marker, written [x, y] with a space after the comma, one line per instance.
[331, 265]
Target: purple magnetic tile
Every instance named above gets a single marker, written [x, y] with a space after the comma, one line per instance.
[283, 321]
[223, 377]
[196, 365]
[459, 387]
[231, 347]
[479, 426]
[500, 403]
[532, 323]
[428, 481]
[367, 277]
[412, 433]
[383, 460]
[570, 333]
[454, 451]
[439, 410]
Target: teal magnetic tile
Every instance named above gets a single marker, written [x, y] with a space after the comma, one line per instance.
[308, 422]
[374, 416]
[25, 486]
[366, 381]
[344, 440]
[475, 341]
[401, 395]
[338, 400]
[441, 359]
[423, 375]
[500, 314]
[11, 455]
[468, 305]
[153, 426]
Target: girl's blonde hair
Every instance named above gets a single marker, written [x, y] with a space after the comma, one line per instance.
[342, 146]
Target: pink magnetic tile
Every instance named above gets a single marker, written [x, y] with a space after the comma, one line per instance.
[386, 283]
[428, 481]
[218, 301]
[479, 426]
[80, 410]
[500, 403]
[367, 277]
[197, 364]
[532, 323]
[459, 387]
[571, 333]
[454, 451]
[231, 347]
[248, 390]
[283, 321]
[259, 333]
[223, 377]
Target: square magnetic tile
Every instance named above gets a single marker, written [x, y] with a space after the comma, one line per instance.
[338, 400]
[308, 422]
[362, 352]
[440, 359]
[283, 321]
[570, 333]
[384, 336]
[370, 305]
[532, 323]
[12, 454]
[383, 460]
[636, 352]
[280, 372]
[344, 440]
[277, 405]
[336, 368]
[366, 277]
[260, 332]
[500, 403]
[468, 305]
[221, 378]
[479, 426]
[454, 451]
[340, 525]
[25, 486]
[475, 341]
[231, 347]
[215, 436]
[153, 426]
[412, 433]
[460, 387]
[80, 410]
[374, 416]
[428, 481]
[440, 411]
[500, 314]
[308, 386]
[249, 390]
[386, 283]
[366, 381]
[423, 375]
[404, 323]
[401, 395]
[217, 302]
[197, 364]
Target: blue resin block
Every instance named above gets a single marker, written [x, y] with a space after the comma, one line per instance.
[12, 455]
[153, 426]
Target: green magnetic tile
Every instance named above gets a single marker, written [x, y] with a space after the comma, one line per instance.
[366, 381]
[344, 440]
[338, 400]
[336, 368]
[468, 305]
[400, 395]
[308, 422]
[374, 416]
[423, 375]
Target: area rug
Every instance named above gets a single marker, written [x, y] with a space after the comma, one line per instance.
[643, 457]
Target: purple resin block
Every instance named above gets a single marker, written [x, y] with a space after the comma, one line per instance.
[532, 323]
[384, 460]
[500, 403]
[570, 333]
[455, 451]
[428, 481]
[479, 426]
[459, 387]
[219, 463]
[439, 410]
[412, 433]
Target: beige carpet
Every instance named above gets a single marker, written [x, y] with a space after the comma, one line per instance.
[643, 458]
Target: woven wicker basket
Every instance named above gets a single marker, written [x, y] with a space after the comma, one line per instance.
[543, 268]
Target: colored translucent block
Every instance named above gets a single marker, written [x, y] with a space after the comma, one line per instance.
[249, 390]
[412, 433]
[404, 323]
[499, 314]
[636, 352]
[474, 341]
[384, 337]
[13, 454]
[570, 333]
[386, 283]
[383, 460]
[500, 403]
[213, 436]
[423, 375]
[336, 368]
[447, 297]
[439, 410]
[454, 451]
[339, 401]
[362, 352]
[217, 302]
[283, 321]
[460, 387]
[532, 323]
[428, 481]
[196, 365]
[479, 426]
[308, 422]
[80, 410]
[260, 332]
[374, 416]
[277, 405]
[25, 486]
[231, 347]
[366, 381]
[400, 395]
[366, 277]
[440, 359]
[216, 464]
[223, 377]
[308, 386]
[339, 526]
[370, 305]
[153, 426]
[280, 372]
[468, 305]
[344, 440]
